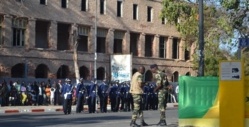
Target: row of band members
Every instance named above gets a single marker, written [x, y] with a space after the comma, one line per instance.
[114, 93]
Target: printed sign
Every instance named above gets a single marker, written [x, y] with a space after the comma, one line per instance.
[121, 67]
[230, 71]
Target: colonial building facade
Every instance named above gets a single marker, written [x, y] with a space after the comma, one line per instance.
[37, 38]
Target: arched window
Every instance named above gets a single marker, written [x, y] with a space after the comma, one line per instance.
[175, 76]
[18, 71]
[100, 73]
[41, 71]
[84, 72]
[188, 74]
[63, 72]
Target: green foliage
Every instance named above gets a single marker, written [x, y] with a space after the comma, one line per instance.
[218, 28]
[230, 4]
[245, 54]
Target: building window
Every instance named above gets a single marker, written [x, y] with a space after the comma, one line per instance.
[83, 33]
[149, 14]
[118, 41]
[134, 38]
[64, 3]
[175, 51]
[63, 39]
[101, 40]
[41, 34]
[19, 27]
[164, 20]
[84, 5]
[135, 12]
[119, 8]
[102, 6]
[148, 45]
[1, 30]
[187, 54]
[162, 47]
[43, 2]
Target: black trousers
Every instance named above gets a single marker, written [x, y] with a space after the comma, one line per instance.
[67, 106]
[79, 106]
[91, 104]
[103, 104]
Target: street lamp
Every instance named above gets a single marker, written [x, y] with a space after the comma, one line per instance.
[201, 40]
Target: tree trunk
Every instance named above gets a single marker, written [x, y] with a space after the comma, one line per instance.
[75, 57]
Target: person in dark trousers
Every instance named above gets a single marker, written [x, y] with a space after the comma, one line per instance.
[103, 95]
[57, 95]
[112, 95]
[67, 90]
[80, 93]
[92, 97]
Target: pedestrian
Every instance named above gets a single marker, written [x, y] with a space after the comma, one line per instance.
[136, 90]
[177, 93]
[58, 97]
[48, 93]
[52, 94]
[36, 92]
[161, 88]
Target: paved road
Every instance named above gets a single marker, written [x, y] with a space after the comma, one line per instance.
[58, 119]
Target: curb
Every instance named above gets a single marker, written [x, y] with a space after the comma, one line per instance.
[27, 109]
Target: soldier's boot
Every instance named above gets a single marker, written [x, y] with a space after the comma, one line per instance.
[162, 123]
[143, 123]
[133, 123]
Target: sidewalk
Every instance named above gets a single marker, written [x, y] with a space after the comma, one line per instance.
[35, 109]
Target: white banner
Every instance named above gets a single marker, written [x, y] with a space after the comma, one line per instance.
[121, 67]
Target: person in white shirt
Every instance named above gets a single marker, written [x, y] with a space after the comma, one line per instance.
[177, 93]
[52, 91]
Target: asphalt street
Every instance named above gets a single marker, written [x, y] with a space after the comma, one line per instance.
[58, 119]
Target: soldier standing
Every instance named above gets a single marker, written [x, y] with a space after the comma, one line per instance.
[161, 88]
[92, 97]
[80, 92]
[136, 90]
[67, 90]
[112, 95]
[102, 92]
[127, 98]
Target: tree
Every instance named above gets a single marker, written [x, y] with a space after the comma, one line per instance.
[218, 29]
[75, 56]
[237, 12]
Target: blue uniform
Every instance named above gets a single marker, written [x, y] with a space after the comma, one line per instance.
[103, 96]
[122, 95]
[153, 96]
[80, 95]
[118, 97]
[128, 101]
[67, 90]
[112, 95]
[146, 94]
[91, 97]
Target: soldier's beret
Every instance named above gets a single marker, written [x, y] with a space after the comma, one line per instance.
[153, 65]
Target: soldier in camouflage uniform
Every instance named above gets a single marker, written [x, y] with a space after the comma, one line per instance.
[161, 88]
[136, 90]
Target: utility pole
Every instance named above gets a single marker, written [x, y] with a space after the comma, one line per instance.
[95, 55]
[201, 40]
